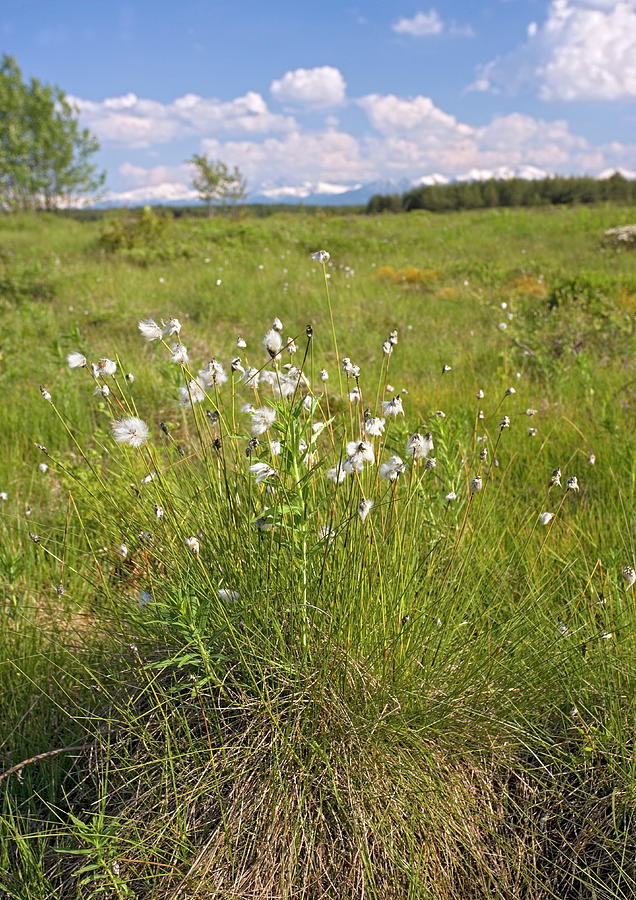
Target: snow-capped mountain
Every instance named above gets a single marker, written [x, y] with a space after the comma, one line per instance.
[324, 193]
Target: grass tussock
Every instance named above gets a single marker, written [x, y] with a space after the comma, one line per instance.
[341, 609]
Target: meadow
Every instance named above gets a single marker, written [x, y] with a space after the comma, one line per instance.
[337, 602]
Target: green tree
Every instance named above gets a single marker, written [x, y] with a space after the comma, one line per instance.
[45, 157]
[215, 183]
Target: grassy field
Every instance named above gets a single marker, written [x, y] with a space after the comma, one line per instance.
[277, 648]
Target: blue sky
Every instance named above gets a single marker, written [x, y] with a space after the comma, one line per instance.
[334, 95]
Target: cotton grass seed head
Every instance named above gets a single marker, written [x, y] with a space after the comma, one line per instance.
[572, 484]
[373, 425]
[450, 496]
[476, 484]
[150, 330]
[191, 393]
[273, 343]
[392, 468]
[132, 431]
[364, 508]
[107, 366]
[76, 361]
[337, 474]
[555, 478]
[262, 419]
[393, 407]
[262, 471]
[546, 517]
[192, 544]
[179, 355]
[321, 256]
[173, 326]
[420, 445]
[629, 576]
[45, 394]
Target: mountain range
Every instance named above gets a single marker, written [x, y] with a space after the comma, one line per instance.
[324, 193]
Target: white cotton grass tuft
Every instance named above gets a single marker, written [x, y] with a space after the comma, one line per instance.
[392, 468]
[262, 471]
[373, 426]
[173, 326]
[213, 374]
[629, 576]
[262, 420]
[476, 484]
[546, 517]
[450, 496]
[43, 468]
[358, 452]
[337, 474]
[393, 407]
[420, 445]
[191, 393]
[150, 330]
[321, 256]
[76, 360]
[122, 551]
[241, 343]
[107, 366]
[364, 508]
[227, 595]
[131, 431]
[179, 355]
[192, 544]
[45, 394]
[273, 343]
[572, 484]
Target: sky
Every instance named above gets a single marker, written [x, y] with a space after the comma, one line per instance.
[325, 97]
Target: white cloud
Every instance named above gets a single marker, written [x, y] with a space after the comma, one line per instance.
[137, 122]
[406, 139]
[166, 192]
[585, 50]
[389, 113]
[331, 156]
[421, 25]
[317, 88]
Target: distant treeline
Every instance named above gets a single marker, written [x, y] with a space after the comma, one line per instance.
[507, 192]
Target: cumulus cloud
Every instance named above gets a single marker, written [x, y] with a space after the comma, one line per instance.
[585, 50]
[331, 156]
[318, 88]
[388, 113]
[137, 122]
[421, 25]
[406, 138]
